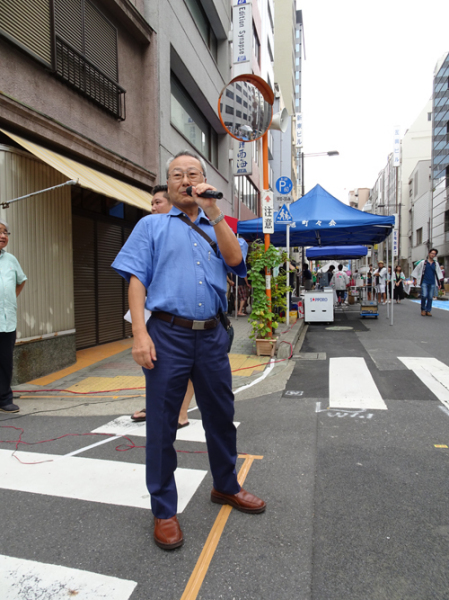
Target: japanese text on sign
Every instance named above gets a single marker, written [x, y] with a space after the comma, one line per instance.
[267, 212]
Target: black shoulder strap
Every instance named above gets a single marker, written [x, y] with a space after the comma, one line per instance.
[204, 235]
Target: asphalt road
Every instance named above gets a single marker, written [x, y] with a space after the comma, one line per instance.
[357, 496]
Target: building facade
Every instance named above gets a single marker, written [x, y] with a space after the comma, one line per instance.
[419, 198]
[440, 161]
[78, 102]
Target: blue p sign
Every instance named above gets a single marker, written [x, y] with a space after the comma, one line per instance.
[284, 185]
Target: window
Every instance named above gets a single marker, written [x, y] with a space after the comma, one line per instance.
[238, 99]
[230, 94]
[229, 109]
[297, 47]
[245, 104]
[256, 45]
[446, 220]
[202, 22]
[297, 75]
[297, 34]
[429, 116]
[270, 51]
[191, 123]
[247, 193]
[238, 113]
[75, 40]
[419, 236]
[297, 61]
[270, 16]
[86, 53]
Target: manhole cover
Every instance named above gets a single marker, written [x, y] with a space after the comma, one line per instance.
[339, 328]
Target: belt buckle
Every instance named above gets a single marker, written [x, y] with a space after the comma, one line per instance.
[199, 325]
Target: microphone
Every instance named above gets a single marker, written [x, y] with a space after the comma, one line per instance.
[206, 194]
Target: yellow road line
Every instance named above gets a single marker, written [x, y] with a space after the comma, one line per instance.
[199, 572]
[86, 358]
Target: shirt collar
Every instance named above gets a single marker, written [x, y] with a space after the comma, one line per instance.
[175, 211]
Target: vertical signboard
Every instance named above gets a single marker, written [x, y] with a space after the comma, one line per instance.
[242, 22]
[396, 147]
[243, 158]
[299, 130]
[267, 212]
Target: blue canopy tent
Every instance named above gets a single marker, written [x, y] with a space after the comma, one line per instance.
[336, 252]
[322, 220]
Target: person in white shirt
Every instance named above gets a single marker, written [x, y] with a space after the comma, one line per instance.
[380, 277]
[340, 282]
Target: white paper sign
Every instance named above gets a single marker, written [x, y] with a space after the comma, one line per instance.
[242, 22]
[267, 212]
[243, 158]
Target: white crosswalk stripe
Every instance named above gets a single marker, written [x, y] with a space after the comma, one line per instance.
[125, 426]
[25, 579]
[90, 479]
[433, 373]
[351, 385]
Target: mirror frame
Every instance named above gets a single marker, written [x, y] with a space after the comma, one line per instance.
[263, 88]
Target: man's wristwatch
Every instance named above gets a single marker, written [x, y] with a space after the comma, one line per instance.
[218, 219]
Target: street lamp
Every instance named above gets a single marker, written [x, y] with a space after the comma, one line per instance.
[312, 154]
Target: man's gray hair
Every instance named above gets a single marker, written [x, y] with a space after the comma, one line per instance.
[2, 222]
[186, 153]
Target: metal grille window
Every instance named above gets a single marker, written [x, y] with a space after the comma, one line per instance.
[86, 53]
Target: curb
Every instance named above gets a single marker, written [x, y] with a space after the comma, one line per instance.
[291, 336]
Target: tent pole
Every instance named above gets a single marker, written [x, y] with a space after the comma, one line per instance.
[392, 269]
[387, 294]
[288, 274]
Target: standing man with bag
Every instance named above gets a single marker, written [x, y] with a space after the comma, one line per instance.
[428, 273]
[184, 277]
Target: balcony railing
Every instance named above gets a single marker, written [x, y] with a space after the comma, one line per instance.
[76, 70]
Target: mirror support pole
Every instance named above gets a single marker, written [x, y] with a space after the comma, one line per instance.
[266, 185]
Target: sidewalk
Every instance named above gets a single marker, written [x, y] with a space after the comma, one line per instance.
[109, 371]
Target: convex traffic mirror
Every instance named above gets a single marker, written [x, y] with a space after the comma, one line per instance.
[245, 107]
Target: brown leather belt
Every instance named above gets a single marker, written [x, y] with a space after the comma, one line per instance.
[187, 323]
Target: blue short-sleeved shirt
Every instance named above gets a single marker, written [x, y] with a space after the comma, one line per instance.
[181, 272]
[11, 275]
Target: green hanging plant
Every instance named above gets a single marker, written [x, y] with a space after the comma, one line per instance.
[261, 314]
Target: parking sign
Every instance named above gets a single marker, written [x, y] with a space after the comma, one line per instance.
[284, 185]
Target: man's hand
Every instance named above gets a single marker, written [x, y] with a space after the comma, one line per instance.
[209, 205]
[144, 351]
[414, 281]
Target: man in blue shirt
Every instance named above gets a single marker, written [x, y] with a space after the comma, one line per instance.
[185, 283]
[428, 273]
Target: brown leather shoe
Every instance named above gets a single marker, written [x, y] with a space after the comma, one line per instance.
[423, 313]
[243, 501]
[167, 533]
[429, 314]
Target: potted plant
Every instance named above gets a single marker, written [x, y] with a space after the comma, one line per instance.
[265, 318]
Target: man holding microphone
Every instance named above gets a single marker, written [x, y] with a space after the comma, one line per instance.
[184, 278]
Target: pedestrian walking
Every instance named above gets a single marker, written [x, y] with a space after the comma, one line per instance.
[398, 285]
[12, 281]
[428, 273]
[340, 283]
[179, 262]
[380, 277]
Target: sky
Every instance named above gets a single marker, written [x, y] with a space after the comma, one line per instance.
[368, 68]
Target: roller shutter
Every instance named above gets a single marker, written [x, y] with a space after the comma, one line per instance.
[28, 24]
[85, 281]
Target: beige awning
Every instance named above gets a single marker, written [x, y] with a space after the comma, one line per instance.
[87, 177]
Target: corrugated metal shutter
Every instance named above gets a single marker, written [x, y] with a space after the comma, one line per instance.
[85, 281]
[69, 22]
[100, 39]
[29, 24]
[110, 284]
[128, 326]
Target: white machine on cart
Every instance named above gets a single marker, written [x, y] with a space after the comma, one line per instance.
[319, 306]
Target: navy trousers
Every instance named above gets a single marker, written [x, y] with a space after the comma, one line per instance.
[201, 356]
[7, 341]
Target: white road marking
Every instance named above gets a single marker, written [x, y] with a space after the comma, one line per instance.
[433, 373]
[120, 426]
[351, 385]
[26, 579]
[91, 479]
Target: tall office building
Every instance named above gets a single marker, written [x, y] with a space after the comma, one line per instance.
[440, 161]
